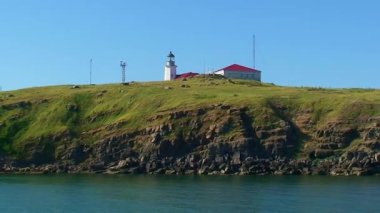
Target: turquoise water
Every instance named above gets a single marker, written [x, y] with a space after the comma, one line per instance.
[102, 193]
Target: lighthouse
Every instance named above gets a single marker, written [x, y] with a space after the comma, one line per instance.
[170, 68]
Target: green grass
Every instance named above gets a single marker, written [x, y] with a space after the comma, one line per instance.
[101, 106]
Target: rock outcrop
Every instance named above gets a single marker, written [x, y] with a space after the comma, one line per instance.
[218, 139]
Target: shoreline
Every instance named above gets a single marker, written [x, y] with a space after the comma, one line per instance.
[204, 167]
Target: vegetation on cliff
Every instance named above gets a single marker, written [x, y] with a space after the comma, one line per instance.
[207, 117]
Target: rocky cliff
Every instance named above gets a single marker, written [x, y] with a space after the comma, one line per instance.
[197, 126]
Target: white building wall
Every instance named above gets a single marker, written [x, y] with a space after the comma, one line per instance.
[258, 74]
[242, 75]
[170, 73]
[220, 72]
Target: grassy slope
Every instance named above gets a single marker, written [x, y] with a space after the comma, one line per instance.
[133, 104]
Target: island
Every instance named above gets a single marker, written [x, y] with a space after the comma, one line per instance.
[200, 125]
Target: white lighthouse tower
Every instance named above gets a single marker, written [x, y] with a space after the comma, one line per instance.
[170, 68]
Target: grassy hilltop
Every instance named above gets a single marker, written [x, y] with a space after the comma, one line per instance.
[43, 117]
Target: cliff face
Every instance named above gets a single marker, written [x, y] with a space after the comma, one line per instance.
[179, 129]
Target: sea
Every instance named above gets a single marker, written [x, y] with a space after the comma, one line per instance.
[150, 193]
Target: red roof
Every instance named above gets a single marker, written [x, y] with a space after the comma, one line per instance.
[187, 75]
[239, 68]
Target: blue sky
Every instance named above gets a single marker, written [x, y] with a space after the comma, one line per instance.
[299, 42]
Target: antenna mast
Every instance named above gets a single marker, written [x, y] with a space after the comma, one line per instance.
[254, 50]
[123, 66]
[90, 71]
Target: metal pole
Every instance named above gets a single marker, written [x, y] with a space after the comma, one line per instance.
[90, 71]
[124, 72]
[254, 50]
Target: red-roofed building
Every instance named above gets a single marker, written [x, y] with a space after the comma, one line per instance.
[187, 75]
[239, 72]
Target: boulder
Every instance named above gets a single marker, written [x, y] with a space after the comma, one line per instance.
[377, 157]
